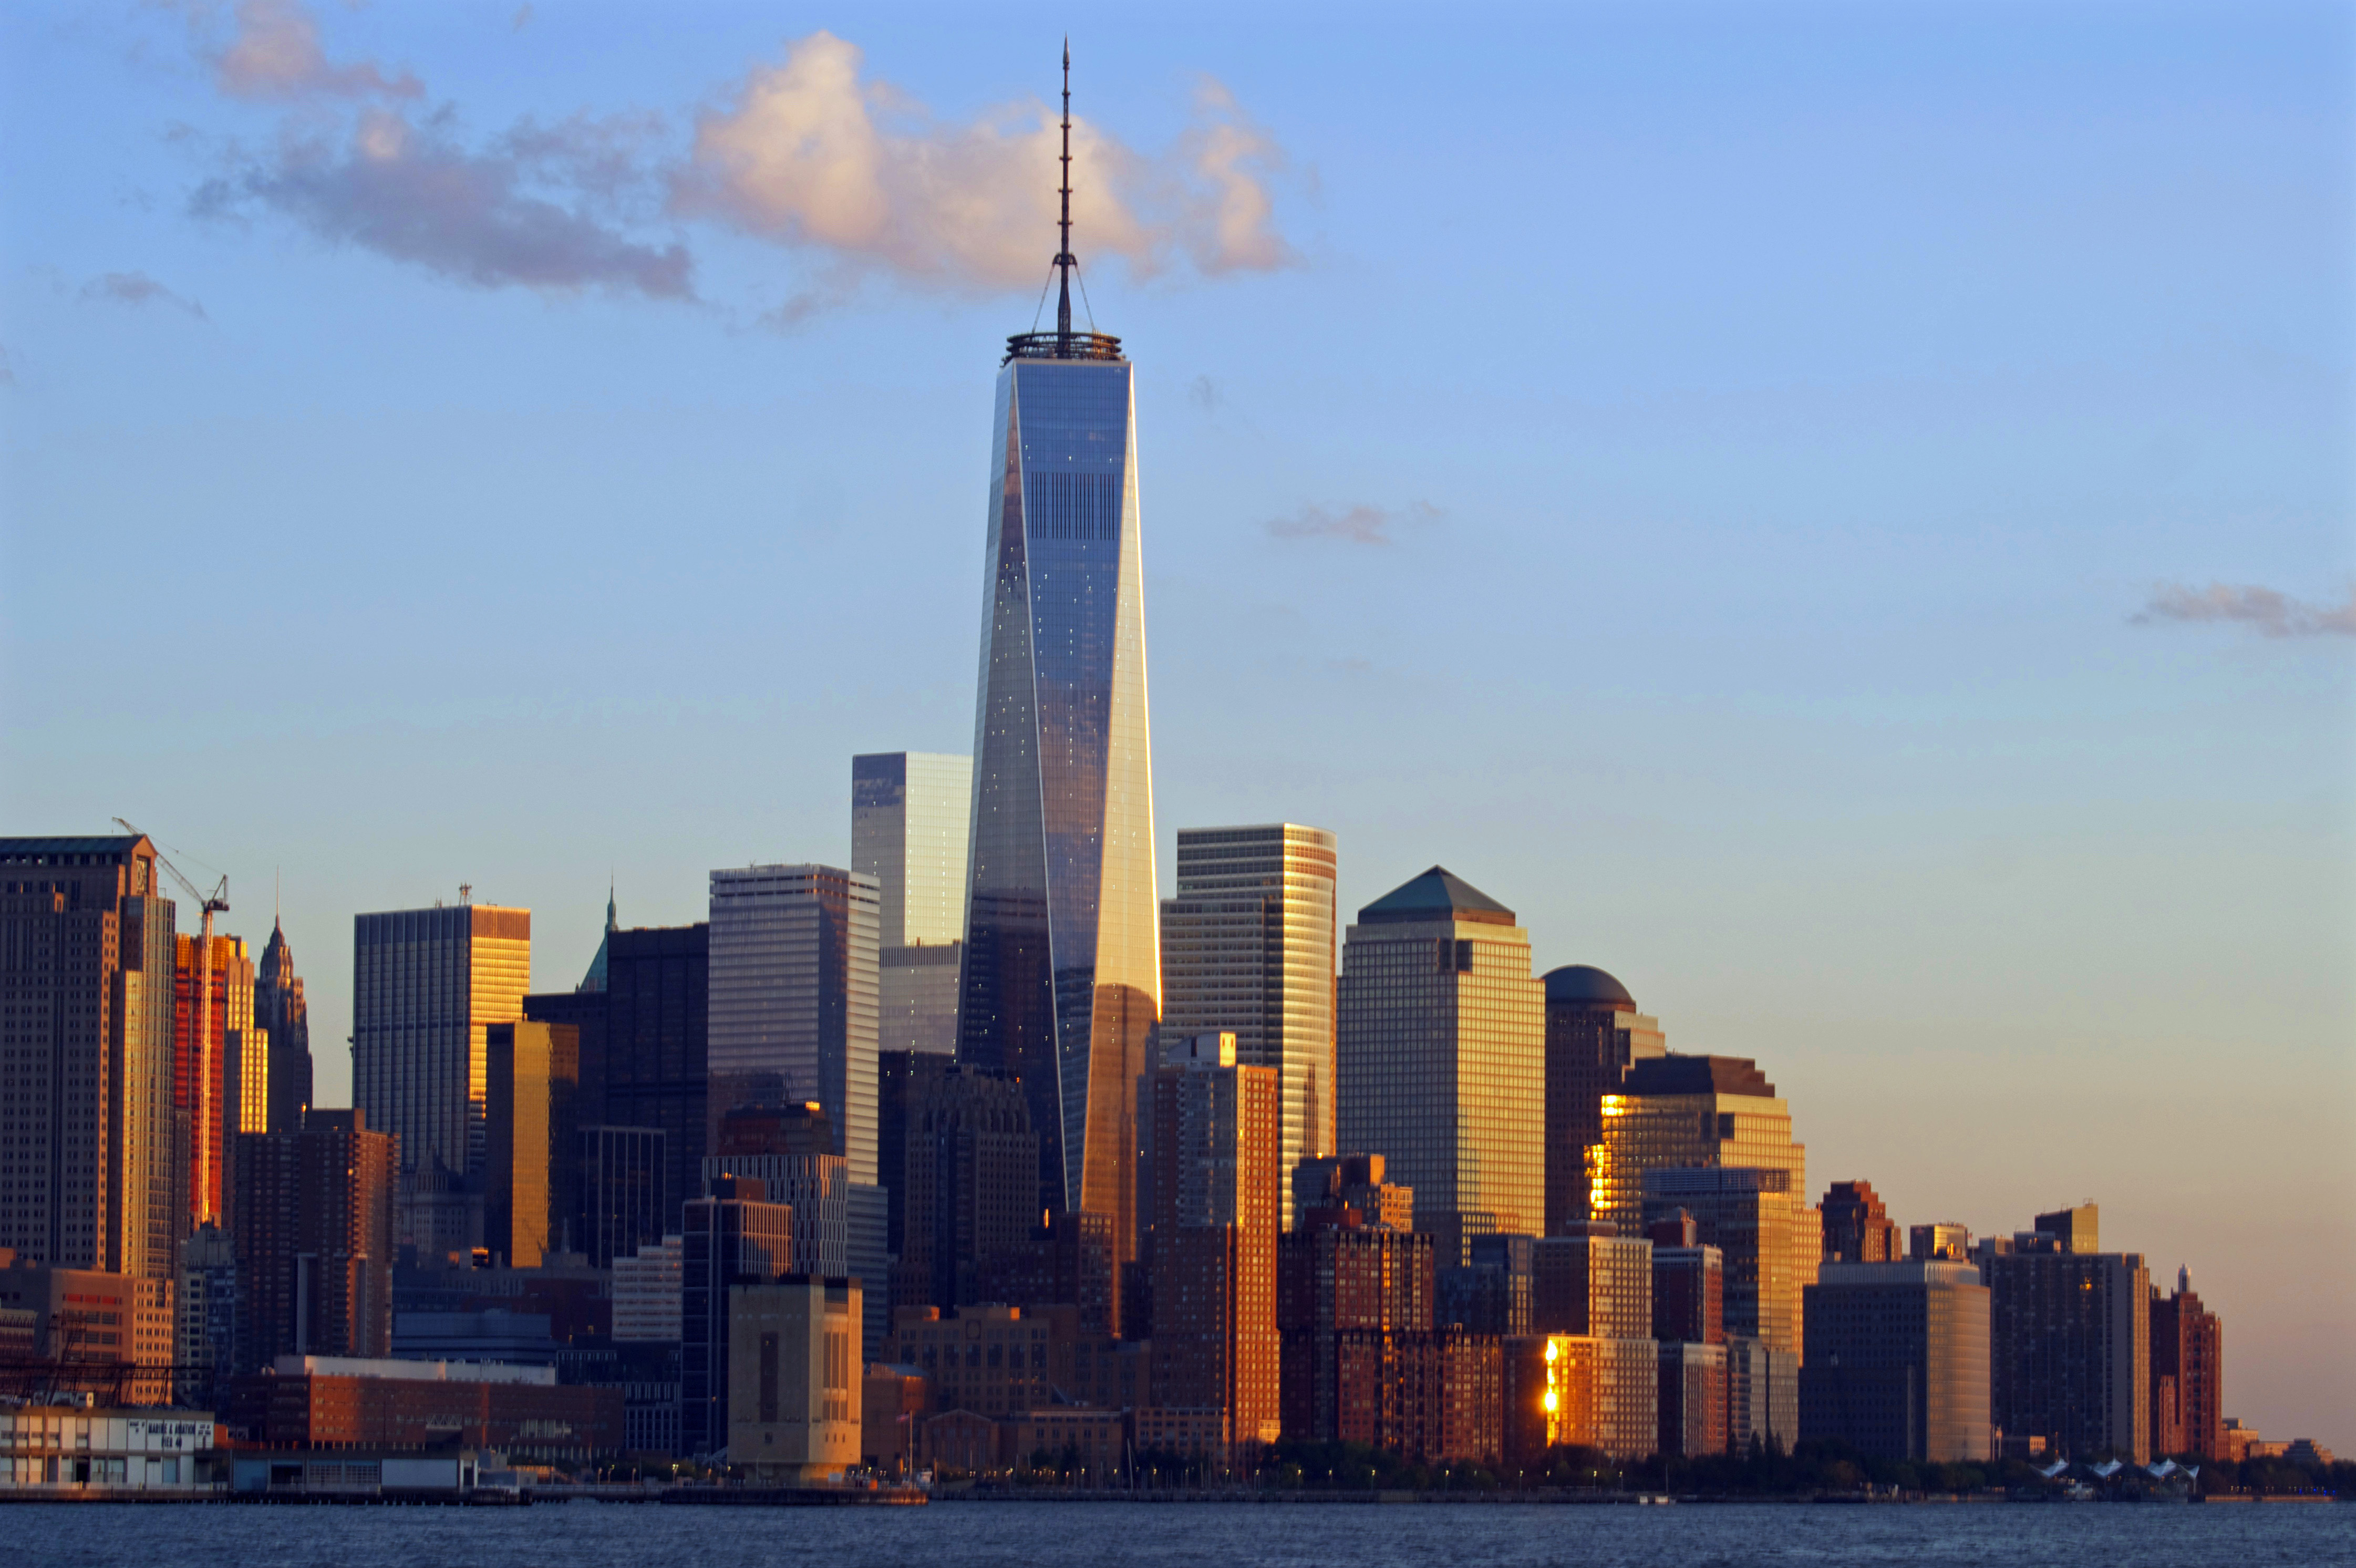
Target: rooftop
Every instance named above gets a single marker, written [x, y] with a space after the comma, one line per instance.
[1582, 983]
[1697, 1075]
[1437, 894]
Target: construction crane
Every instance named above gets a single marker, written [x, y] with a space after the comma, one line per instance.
[200, 1150]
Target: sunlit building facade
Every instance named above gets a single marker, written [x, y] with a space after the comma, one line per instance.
[1593, 1035]
[1061, 982]
[1441, 1058]
[221, 1067]
[909, 831]
[1247, 949]
[1676, 1111]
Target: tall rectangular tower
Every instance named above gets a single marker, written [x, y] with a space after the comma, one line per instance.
[1441, 1058]
[428, 985]
[1248, 950]
[908, 831]
[793, 998]
[1061, 982]
[87, 1172]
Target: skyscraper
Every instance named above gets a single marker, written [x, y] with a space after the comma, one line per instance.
[1061, 984]
[1593, 1035]
[86, 1015]
[1898, 1360]
[1858, 1228]
[533, 1160]
[1673, 1111]
[2188, 1374]
[1442, 1060]
[279, 1011]
[968, 1183]
[312, 1229]
[428, 985]
[793, 998]
[1248, 950]
[2069, 1348]
[908, 831]
[220, 1067]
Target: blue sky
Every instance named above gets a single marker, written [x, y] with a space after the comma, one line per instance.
[1838, 514]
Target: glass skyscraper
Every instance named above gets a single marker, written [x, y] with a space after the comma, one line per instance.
[1061, 982]
[908, 831]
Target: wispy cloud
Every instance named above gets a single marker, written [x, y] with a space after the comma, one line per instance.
[528, 209]
[2264, 610]
[1357, 524]
[137, 289]
[809, 155]
[274, 53]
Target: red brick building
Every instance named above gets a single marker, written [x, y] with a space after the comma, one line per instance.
[322, 1402]
[2188, 1374]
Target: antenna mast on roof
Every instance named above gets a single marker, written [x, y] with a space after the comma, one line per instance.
[1065, 260]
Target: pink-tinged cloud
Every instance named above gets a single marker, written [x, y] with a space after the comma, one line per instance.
[811, 156]
[2263, 611]
[138, 289]
[1354, 525]
[275, 53]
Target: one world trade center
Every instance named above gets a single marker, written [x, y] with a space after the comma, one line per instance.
[1061, 985]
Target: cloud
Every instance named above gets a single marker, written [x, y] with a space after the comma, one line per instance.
[2272, 614]
[138, 289]
[1357, 524]
[274, 53]
[808, 155]
[1204, 393]
[535, 209]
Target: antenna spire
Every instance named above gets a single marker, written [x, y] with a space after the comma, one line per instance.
[1065, 260]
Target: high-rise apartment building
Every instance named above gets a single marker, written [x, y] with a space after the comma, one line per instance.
[793, 998]
[280, 1012]
[2188, 1374]
[2069, 1348]
[1857, 1228]
[1765, 1233]
[220, 1067]
[528, 1199]
[313, 1231]
[735, 1237]
[1216, 1215]
[1897, 1360]
[1247, 949]
[968, 1184]
[910, 819]
[1331, 1183]
[1441, 1057]
[1676, 1112]
[428, 985]
[87, 1168]
[1593, 1282]
[1061, 985]
[1593, 1035]
[1355, 1308]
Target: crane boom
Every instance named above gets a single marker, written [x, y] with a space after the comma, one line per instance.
[201, 1148]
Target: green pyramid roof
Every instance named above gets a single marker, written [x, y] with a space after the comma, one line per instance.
[1438, 894]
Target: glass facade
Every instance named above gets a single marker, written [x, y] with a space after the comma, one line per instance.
[427, 985]
[1248, 950]
[908, 831]
[1061, 981]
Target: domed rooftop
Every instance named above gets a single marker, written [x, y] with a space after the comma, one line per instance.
[1585, 982]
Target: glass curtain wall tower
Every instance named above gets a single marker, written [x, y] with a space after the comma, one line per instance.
[1061, 981]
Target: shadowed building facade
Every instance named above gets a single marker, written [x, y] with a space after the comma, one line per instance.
[1897, 1360]
[1593, 1035]
[2188, 1374]
[1441, 1061]
[281, 1012]
[1061, 984]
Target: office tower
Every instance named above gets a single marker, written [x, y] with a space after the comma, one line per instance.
[592, 981]
[909, 824]
[204, 1311]
[1857, 1229]
[1335, 1182]
[1248, 950]
[733, 1237]
[1767, 1238]
[2188, 1374]
[785, 1149]
[534, 1073]
[2070, 1349]
[1942, 1242]
[1688, 1291]
[649, 1068]
[1065, 1262]
[2075, 1230]
[793, 1380]
[313, 1231]
[1218, 1131]
[901, 1081]
[1061, 985]
[1594, 1283]
[280, 1012]
[220, 1067]
[86, 1012]
[620, 1195]
[1355, 1318]
[1679, 1112]
[1762, 1395]
[1442, 1060]
[793, 998]
[1897, 1360]
[1593, 1035]
[1494, 1294]
[428, 985]
[968, 1184]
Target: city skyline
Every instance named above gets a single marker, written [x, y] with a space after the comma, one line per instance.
[1814, 855]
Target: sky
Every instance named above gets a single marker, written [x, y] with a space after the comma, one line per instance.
[1837, 514]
